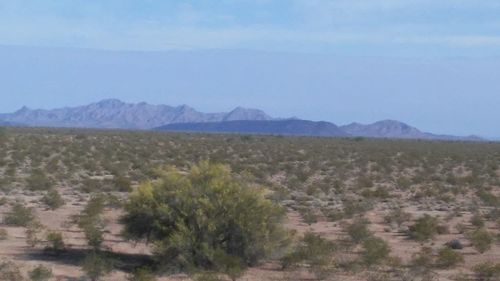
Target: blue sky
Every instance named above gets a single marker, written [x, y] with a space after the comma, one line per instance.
[431, 63]
[344, 27]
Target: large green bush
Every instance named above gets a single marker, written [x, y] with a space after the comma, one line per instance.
[203, 218]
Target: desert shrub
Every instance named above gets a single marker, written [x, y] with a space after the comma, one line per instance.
[9, 271]
[38, 180]
[205, 214]
[142, 274]
[488, 198]
[487, 271]
[309, 216]
[374, 251]
[333, 215]
[425, 228]
[33, 230]
[3, 234]
[481, 240]
[314, 251]
[122, 184]
[477, 220]
[91, 222]
[19, 215]
[40, 273]
[353, 207]
[53, 199]
[397, 216]
[96, 266]
[358, 230]
[448, 257]
[423, 260]
[55, 242]
[379, 192]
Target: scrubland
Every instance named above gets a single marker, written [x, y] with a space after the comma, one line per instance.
[352, 209]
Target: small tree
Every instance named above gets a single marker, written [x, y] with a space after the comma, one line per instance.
[196, 218]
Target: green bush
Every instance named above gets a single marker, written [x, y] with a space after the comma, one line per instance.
[207, 213]
[3, 234]
[448, 258]
[55, 242]
[423, 260]
[91, 222]
[481, 240]
[122, 184]
[477, 220]
[374, 251]
[40, 273]
[425, 228]
[9, 271]
[487, 271]
[96, 266]
[314, 251]
[142, 274]
[397, 216]
[38, 181]
[53, 199]
[358, 231]
[19, 215]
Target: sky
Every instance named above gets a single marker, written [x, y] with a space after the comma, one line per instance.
[430, 63]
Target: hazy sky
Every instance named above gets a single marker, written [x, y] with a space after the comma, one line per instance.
[434, 64]
[351, 27]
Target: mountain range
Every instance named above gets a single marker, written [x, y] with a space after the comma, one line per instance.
[113, 113]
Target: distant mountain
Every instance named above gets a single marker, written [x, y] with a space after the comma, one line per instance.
[113, 113]
[268, 127]
[396, 129]
[10, 124]
[381, 129]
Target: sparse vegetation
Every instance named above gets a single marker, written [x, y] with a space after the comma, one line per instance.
[53, 199]
[40, 273]
[338, 194]
[19, 215]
